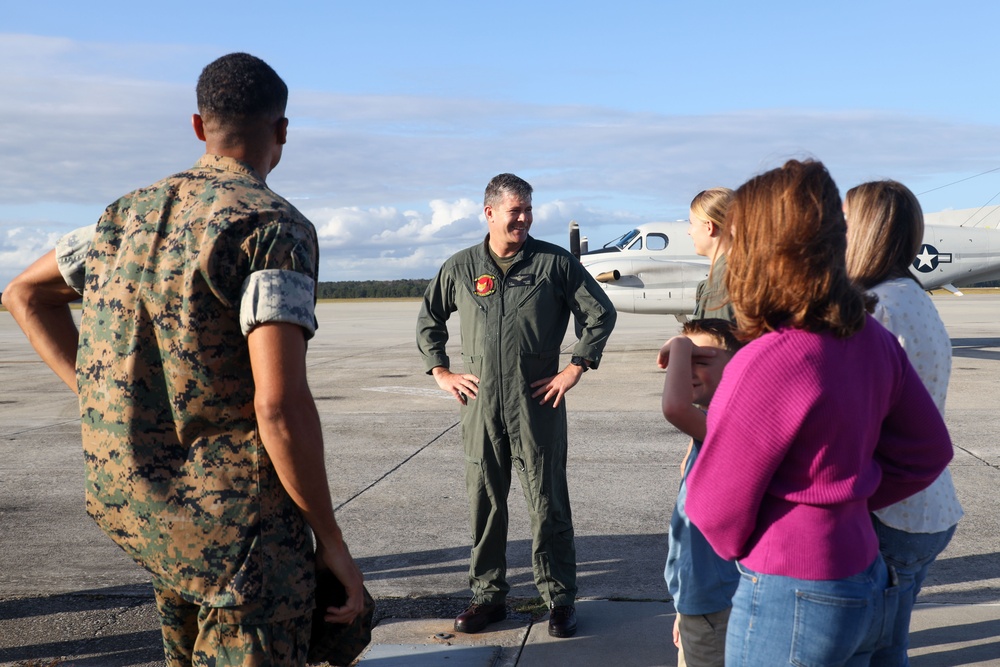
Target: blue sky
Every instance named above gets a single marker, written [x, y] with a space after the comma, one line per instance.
[618, 113]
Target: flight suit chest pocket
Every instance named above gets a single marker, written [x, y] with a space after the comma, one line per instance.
[540, 314]
[466, 299]
[474, 314]
[524, 288]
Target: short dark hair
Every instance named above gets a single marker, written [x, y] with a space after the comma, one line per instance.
[240, 87]
[723, 331]
[502, 185]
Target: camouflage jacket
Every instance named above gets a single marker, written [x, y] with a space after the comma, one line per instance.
[174, 278]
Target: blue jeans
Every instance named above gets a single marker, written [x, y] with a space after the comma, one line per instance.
[910, 554]
[784, 621]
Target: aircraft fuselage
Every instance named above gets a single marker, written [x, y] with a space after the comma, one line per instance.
[654, 268]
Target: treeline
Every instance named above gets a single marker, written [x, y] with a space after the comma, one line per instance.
[371, 289]
[399, 289]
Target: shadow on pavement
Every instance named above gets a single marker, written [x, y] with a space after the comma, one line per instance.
[135, 648]
[960, 569]
[979, 654]
[112, 627]
[974, 348]
[77, 601]
[606, 566]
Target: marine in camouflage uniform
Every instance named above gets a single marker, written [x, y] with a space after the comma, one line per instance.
[176, 278]
[514, 310]
[176, 473]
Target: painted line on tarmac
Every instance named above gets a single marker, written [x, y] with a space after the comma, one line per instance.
[413, 391]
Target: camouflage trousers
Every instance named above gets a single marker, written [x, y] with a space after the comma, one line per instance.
[196, 636]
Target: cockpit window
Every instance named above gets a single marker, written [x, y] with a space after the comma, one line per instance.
[624, 240]
[656, 241]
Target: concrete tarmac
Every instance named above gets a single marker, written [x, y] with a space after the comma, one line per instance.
[68, 596]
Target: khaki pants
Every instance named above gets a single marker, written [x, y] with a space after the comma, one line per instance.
[703, 640]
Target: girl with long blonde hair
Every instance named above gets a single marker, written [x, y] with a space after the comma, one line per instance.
[710, 235]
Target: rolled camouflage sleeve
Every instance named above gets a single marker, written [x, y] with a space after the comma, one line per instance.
[278, 295]
[71, 256]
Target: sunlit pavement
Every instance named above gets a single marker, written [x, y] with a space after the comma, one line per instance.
[396, 467]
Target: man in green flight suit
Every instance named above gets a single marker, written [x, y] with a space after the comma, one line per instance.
[514, 295]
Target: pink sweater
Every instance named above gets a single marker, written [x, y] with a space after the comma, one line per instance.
[806, 434]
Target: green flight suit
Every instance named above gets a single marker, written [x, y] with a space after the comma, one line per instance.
[712, 297]
[512, 329]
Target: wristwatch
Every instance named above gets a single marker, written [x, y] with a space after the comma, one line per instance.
[581, 362]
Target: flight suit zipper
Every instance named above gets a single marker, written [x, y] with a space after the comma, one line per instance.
[502, 292]
[499, 343]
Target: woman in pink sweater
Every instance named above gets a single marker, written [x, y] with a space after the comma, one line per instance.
[817, 421]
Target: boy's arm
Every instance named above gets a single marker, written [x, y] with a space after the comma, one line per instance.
[677, 394]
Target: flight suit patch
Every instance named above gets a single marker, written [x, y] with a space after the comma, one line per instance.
[486, 285]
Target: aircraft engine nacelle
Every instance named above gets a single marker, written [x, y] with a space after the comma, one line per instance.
[608, 276]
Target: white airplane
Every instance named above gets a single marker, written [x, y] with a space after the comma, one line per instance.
[654, 268]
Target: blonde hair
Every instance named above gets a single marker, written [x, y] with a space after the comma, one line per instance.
[884, 234]
[713, 205]
[787, 259]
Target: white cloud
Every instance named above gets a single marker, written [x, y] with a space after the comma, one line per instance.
[22, 245]
[375, 228]
[386, 242]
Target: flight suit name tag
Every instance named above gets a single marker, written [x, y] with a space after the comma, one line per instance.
[521, 280]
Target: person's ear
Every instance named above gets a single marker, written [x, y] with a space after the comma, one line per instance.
[199, 126]
[281, 131]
